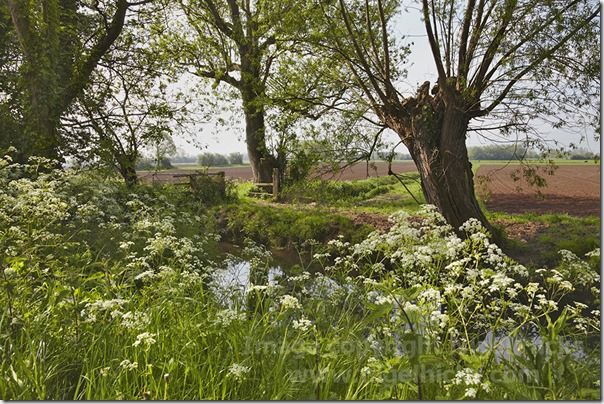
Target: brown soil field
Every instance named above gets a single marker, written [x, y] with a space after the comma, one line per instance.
[572, 189]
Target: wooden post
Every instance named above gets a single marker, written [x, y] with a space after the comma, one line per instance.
[275, 183]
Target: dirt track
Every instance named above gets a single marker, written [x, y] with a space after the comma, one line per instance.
[573, 189]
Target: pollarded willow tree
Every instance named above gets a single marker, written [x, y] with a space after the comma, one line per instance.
[504, 60]
[58, 44]
[242, 43]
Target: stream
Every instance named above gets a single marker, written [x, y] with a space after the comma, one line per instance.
[232, 281]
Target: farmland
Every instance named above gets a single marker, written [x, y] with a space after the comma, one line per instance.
[573, 189]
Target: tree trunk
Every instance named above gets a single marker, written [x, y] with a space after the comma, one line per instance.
[42, 131]
[261, 160]
[438, 148]
[128, 173]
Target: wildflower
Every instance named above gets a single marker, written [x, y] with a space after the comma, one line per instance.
[594, 253]
[226, 317]
[133, 320]
[257, 288]
[289, 302]
[104, 371]
[303, 324]
[439, 318]
[410, 307]
[467, 376]
[10, 272]
[125, 245]
[531, 288]
[500, 282]
[238, 371]
[127, 365]
[470, 393]
[429, 295]
[147, 339]
[150, 274]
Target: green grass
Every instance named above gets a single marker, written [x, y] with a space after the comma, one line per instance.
[377, 195]
[284, 225]
[385, 195]
[556, 232]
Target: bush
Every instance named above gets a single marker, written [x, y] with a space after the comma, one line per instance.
[280, 227]
[500, 152]
[146, 163]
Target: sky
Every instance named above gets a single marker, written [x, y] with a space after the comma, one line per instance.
[420, 67]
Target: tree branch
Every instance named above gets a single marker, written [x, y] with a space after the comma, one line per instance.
[536, 62]
[442, 77]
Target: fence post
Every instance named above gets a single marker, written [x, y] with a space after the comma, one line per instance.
[275, 183]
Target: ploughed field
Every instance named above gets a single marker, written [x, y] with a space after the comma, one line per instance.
[573, 189]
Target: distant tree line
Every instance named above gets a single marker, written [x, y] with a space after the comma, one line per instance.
[500, 152]
[583, 154]
[219, 160]
[516, 152]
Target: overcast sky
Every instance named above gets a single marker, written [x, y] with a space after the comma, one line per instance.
[230, 138]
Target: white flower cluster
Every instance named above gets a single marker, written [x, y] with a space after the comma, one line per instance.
[145, 339]
[238, 371]
[457, 281]
[126, 364]
[303, 324]
[471, 380]
[226, 317]
[289, 302]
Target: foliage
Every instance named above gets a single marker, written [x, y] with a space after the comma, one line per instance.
[583, 154]
[57, 45]
[285, 226]
[148, 164]
[127, 110]
[109, 293]
[339, 192]
[235, 158]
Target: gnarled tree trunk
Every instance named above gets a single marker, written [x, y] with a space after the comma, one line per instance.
[129, 175]
[434, 131]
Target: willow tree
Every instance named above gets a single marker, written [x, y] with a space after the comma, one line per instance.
[505, 59]
[241, 43]
[60, 44]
